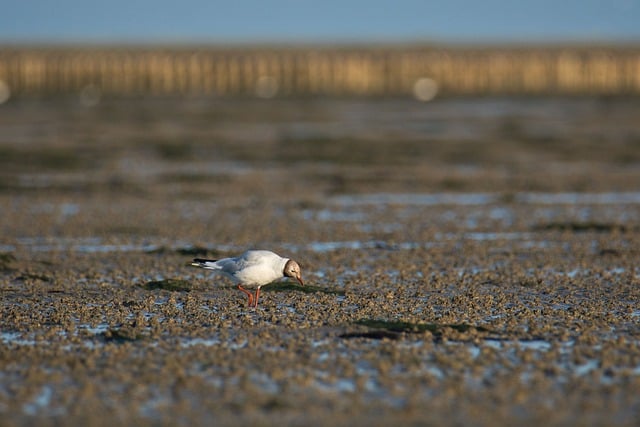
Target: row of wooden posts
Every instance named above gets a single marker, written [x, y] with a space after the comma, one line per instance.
[337, 71]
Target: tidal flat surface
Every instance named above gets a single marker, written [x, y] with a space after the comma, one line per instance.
[469, 262]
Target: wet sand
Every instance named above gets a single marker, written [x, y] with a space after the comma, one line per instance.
[470, 262]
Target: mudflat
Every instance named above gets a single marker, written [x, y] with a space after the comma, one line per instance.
[469, 261]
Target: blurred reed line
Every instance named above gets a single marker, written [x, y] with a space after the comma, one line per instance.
[292, 71]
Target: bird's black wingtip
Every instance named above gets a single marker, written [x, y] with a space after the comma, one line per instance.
[203, 260]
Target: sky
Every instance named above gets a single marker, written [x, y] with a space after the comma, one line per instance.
[318, 21]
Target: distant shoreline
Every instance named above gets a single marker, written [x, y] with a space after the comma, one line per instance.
[272, 70]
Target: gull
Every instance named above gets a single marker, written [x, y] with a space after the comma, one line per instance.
[254, 268]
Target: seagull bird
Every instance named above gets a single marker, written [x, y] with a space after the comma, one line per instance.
[253, 268]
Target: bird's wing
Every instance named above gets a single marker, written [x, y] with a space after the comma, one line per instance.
[229, 265]
[205, 263]
[226, 265]
[254, 257]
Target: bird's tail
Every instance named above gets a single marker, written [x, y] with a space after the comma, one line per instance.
[204, 263]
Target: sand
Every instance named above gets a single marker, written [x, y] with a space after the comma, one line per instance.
[469, 261]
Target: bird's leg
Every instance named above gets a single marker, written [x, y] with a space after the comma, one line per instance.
[255, 304]
[249, 294]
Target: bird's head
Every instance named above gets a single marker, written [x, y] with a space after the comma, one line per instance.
[292, 269]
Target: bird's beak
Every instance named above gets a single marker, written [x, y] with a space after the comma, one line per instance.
[299, 279]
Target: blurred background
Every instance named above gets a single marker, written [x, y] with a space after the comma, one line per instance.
[438, 95]
[301, 48]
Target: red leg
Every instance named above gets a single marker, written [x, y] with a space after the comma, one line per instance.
[255, 304]
[249, 294]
